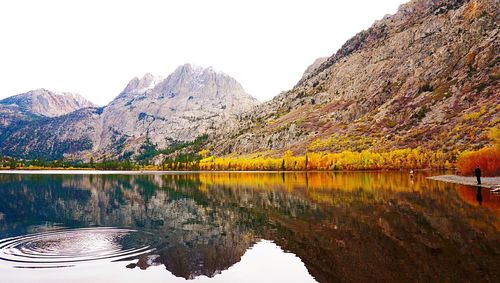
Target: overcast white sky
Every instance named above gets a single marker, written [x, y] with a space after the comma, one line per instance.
[95, 47]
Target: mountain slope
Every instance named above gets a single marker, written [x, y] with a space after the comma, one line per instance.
[52, 138]
[190, 102]
[426, 76]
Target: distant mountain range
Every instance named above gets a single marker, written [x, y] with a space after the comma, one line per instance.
[190, 102]
[426, 76]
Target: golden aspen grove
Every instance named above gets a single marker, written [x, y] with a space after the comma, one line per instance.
[345, 160]
[488, 158]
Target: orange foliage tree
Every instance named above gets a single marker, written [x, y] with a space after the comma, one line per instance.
[487, 158]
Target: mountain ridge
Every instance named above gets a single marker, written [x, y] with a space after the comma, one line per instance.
[190, 102]
[43, 102]
[413, 79]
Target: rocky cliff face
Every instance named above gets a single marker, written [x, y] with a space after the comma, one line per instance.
[426, 76]
[188, 103]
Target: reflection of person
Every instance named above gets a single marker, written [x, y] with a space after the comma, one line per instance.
[477, 172]
[479, 195]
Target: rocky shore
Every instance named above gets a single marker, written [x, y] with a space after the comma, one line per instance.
[486, 182]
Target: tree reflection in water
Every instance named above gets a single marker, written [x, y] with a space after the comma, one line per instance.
[364, 226]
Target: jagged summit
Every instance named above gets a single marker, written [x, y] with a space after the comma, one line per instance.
[193, 68]
[191, 101]
[208, 82]
[185, 78]
[139, 86]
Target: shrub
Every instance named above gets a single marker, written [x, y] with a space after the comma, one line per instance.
[425, 88]
[420, 114]
[494, 136]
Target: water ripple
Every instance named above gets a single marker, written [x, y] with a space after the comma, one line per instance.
[68, 247]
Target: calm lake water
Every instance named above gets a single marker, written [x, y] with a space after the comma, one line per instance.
[246, 227]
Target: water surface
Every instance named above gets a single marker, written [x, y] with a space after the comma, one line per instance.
[246, 227]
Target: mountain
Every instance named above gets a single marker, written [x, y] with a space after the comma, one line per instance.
[190, 102]
[42, 102]
[39, 103]
[426, 76]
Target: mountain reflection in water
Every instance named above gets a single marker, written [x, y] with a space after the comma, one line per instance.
[343, 227]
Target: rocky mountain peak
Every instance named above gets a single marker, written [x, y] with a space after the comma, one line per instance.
[193, 73]
[137, 86]
[194, 81]
[195, 70]
[189, 102]
[43, 102]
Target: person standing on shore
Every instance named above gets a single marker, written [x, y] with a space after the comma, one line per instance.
[477, 171]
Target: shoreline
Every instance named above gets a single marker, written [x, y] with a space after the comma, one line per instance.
[166, 172]
[88, 172]
[486, 182]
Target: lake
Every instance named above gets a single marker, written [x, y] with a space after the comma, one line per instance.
[246, 227]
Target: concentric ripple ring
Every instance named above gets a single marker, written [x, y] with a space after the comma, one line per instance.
[68, 247]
